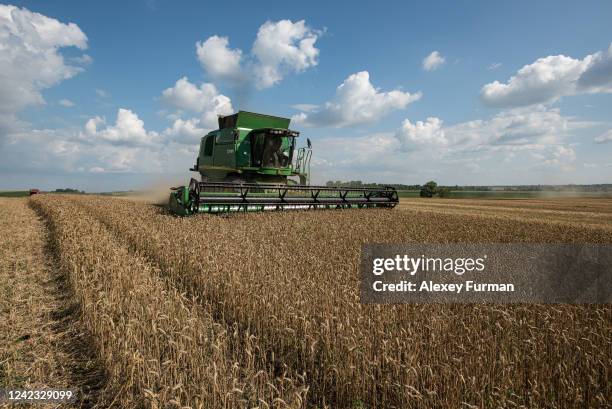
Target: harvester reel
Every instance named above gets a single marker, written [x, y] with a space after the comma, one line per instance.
[225, 197]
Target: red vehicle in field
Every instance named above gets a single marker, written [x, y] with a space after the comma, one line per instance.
[34, 192]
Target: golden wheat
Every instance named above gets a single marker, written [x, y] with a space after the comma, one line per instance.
[292, 279]
[158, 347]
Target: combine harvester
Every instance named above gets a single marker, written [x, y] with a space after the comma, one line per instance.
[248, 164]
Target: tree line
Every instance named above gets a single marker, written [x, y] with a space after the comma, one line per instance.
[601, 187]
[429, 189]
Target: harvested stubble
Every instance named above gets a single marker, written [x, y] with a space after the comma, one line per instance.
[158, 347]
[599, 206]
[292, 279]
[594, 213]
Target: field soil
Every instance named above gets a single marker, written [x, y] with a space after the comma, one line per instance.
[262, 310]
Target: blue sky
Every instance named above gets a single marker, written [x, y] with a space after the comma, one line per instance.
[94, 97]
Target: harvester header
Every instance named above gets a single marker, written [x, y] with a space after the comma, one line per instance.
[251, 163]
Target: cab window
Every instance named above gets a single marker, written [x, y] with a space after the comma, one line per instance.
[208, 145]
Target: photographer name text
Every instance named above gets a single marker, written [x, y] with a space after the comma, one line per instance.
[413, 265]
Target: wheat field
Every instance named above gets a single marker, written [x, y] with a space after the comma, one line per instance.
[262, 310]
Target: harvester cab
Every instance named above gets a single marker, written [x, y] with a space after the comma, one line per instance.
[252, 148]
[251, 164]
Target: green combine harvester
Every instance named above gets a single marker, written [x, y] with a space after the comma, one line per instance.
[250, 164]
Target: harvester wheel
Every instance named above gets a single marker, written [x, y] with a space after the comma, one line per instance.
[194, 196]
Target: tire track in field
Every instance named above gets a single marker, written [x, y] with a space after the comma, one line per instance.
[42, 344]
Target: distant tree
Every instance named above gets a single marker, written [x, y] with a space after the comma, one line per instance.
[429, 189]
[69, 190]
[444, 192]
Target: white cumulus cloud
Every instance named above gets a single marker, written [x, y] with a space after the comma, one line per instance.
[422, 133]
[125, 146]
[30, 58]
[604, 137]
[218, 60]
[31, 61]
[186, 132]
[560, 155]
[515, 146]
[516, 127]
[433, 61]
[550, 78]
[538, 133]
[128, 130]
[280, 48]
[356, 102]
[203, 99]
